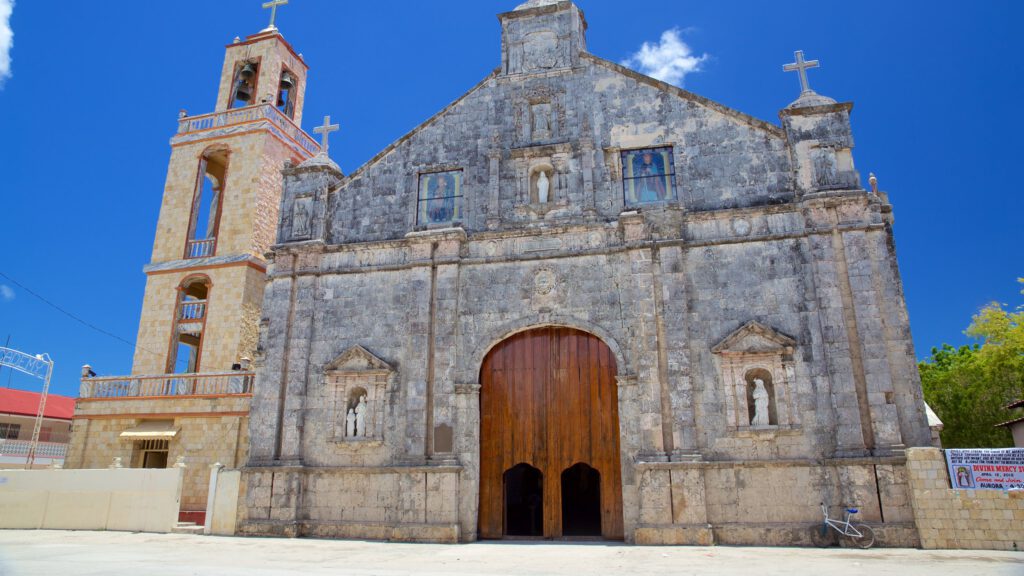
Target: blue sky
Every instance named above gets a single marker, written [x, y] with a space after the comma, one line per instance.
[94, 90]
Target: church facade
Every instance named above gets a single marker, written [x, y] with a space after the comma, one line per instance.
[582, 302]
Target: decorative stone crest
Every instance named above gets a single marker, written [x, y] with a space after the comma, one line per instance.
[741, 227]
[544, 282]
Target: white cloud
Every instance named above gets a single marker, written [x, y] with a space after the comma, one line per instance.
[669, 60]
[6, 293]
[6, 41]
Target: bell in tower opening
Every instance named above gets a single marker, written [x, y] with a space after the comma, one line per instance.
[285, 94]
[245, 80]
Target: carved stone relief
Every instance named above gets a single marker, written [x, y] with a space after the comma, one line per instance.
[301, 216]
[825, 168]
[540, 51]
[540, 115]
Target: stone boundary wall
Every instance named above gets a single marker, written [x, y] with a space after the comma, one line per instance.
[970, 519]
[136, 500]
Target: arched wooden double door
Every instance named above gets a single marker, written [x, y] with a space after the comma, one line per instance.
[548, 403]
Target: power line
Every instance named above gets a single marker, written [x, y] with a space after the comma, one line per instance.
[76, 318]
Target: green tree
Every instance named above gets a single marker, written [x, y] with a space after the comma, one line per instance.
[969, 387]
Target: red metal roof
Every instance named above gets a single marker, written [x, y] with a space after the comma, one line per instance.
[25, 403]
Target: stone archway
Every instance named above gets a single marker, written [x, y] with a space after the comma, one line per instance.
[549, 399]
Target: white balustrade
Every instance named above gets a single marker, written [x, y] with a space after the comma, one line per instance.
[201, 248]
[216, 384]
[192, 310]
[249, 114]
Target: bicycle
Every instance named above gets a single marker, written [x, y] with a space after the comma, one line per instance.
[860, 534]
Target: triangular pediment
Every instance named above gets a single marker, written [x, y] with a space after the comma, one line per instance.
[755, 338]
[358, 359]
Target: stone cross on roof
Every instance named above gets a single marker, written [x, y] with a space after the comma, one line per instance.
[273, 4]
[801, 66]
[326, 130]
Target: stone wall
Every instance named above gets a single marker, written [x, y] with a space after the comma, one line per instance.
[974, 519]
[772, 502]
[211, 429]
[769, 259]
[383, 503]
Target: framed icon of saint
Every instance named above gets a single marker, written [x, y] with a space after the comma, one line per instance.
[648, 176]
[440, 197]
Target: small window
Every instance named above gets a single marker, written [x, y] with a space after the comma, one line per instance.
[440, 197]
[152, 453]
[10, 431]
[648, 176]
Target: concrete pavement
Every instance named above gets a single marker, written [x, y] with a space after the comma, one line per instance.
[46, 552]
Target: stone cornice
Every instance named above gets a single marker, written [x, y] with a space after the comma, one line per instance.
[205, 263]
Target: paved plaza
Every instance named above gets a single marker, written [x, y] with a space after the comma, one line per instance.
[44, 552]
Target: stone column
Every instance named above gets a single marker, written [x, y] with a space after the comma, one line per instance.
[467, 450]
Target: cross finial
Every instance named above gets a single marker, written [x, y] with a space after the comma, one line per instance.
[273, 4]
[326, 130]
[802, 66]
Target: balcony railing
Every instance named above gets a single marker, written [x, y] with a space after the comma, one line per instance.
[218, 384]
[249, 114]
[43, 449]
[200, 248]
[192, 310]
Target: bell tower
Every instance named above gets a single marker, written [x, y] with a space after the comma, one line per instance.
[204, 282]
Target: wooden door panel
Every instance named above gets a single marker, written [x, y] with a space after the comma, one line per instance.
[549, 399]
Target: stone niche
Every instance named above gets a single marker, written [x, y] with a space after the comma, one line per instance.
[753, 353]
[358, 382]
[543, 173]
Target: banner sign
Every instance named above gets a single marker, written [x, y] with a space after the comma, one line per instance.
[38, 365]
[983, 468]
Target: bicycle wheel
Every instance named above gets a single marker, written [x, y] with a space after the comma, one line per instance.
[866, 538]
[822, 536]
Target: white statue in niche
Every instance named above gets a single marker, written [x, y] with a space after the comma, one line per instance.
[350, 423]
[760, 404]
[543, 186]
[361, 416]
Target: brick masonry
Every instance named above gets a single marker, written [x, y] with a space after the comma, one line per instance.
[948, 518]
[210, 430]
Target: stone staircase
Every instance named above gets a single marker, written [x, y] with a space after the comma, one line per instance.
[187, 528]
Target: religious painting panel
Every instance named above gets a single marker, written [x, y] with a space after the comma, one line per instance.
[648, 175]
[440, 198]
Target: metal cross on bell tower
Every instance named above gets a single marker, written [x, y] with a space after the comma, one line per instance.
[802, 66]
[326, 130]
[273, 4]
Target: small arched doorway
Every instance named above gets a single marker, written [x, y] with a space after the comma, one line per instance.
[524, 501]
[581, 501]
[548, 397]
